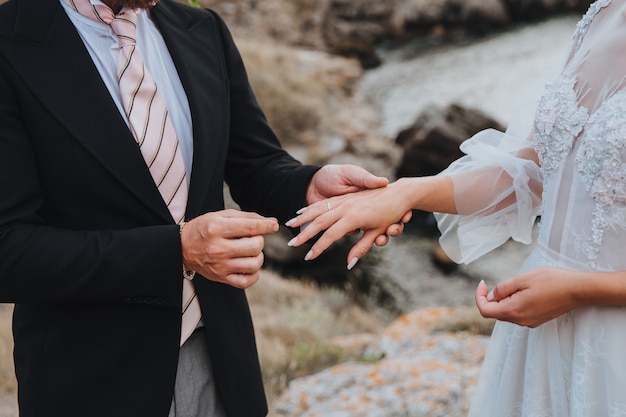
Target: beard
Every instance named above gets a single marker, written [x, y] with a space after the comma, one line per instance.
[131, 4]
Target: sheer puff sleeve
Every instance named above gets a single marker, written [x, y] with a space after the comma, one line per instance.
[497, 192]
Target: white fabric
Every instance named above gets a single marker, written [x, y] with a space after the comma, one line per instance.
[489, 220]
[101, 43]
[575, 365]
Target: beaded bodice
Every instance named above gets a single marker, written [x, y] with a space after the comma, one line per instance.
[582, 152]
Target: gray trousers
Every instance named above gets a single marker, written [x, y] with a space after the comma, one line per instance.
[194, 394]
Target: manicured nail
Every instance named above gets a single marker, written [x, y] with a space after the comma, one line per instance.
[290, 222]
[490, 296]
[302, 210]
[308, 256]
[292, 241]
[352, 263]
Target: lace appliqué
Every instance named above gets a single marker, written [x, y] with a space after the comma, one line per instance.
[558, 121]
[601, 162]
[585, 22]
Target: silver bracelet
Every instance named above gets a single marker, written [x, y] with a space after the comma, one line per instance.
[187, 274]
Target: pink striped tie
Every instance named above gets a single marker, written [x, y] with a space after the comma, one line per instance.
[152, 128]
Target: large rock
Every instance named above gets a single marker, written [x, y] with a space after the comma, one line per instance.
[354, 27]
[433, 141]
[476, 15]
[521, 10]
[284, 21]
[435, 15]
[480, 13]
[370, 284]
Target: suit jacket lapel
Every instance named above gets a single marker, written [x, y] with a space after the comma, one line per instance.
[195, 52]
[53, 57]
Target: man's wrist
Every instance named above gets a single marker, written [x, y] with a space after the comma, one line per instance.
[187, 273]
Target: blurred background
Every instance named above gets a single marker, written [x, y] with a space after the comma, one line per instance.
[394, 86]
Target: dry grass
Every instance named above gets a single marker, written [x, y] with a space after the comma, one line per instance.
[301, 92]
[467, 320]
[300, 329]
[295, 327]
[290, 97]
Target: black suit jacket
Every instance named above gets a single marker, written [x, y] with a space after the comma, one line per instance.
[88, 250]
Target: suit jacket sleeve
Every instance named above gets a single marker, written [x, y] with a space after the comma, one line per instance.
[261, 175]
[55, 251]
[69, 231]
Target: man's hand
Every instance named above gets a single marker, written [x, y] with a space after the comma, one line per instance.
[226, 246]
[335, 180]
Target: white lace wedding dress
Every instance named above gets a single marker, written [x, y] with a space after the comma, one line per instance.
[575, 365]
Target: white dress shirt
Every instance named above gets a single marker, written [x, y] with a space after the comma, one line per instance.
[101, 43]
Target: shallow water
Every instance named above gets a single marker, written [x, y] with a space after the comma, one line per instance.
[492, 74]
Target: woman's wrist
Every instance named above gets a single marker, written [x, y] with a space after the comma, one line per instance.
[432, 193]
[600, 288]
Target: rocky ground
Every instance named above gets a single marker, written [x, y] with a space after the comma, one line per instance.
[426, 362]
[411, 370]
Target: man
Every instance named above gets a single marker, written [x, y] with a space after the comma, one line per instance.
[91, 253]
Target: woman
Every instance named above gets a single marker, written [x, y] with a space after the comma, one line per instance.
[559, 348]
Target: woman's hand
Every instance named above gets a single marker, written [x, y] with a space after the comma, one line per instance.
[533, 298]
[334, 180]
[375, 211]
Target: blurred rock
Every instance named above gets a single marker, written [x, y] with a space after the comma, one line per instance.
[480, 13]
[308, 98]
[370, 284]
[354, 27]
[442, 261]
[433, 141]
[431, 16]
[521, 10]
[416, 368]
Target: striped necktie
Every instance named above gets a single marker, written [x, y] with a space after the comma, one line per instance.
[152, 128]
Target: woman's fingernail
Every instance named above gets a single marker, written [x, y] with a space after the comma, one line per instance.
[352, 263]
[490, 296]
[302, 210]
[290, 222]
[309, 255]
[292, 241]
